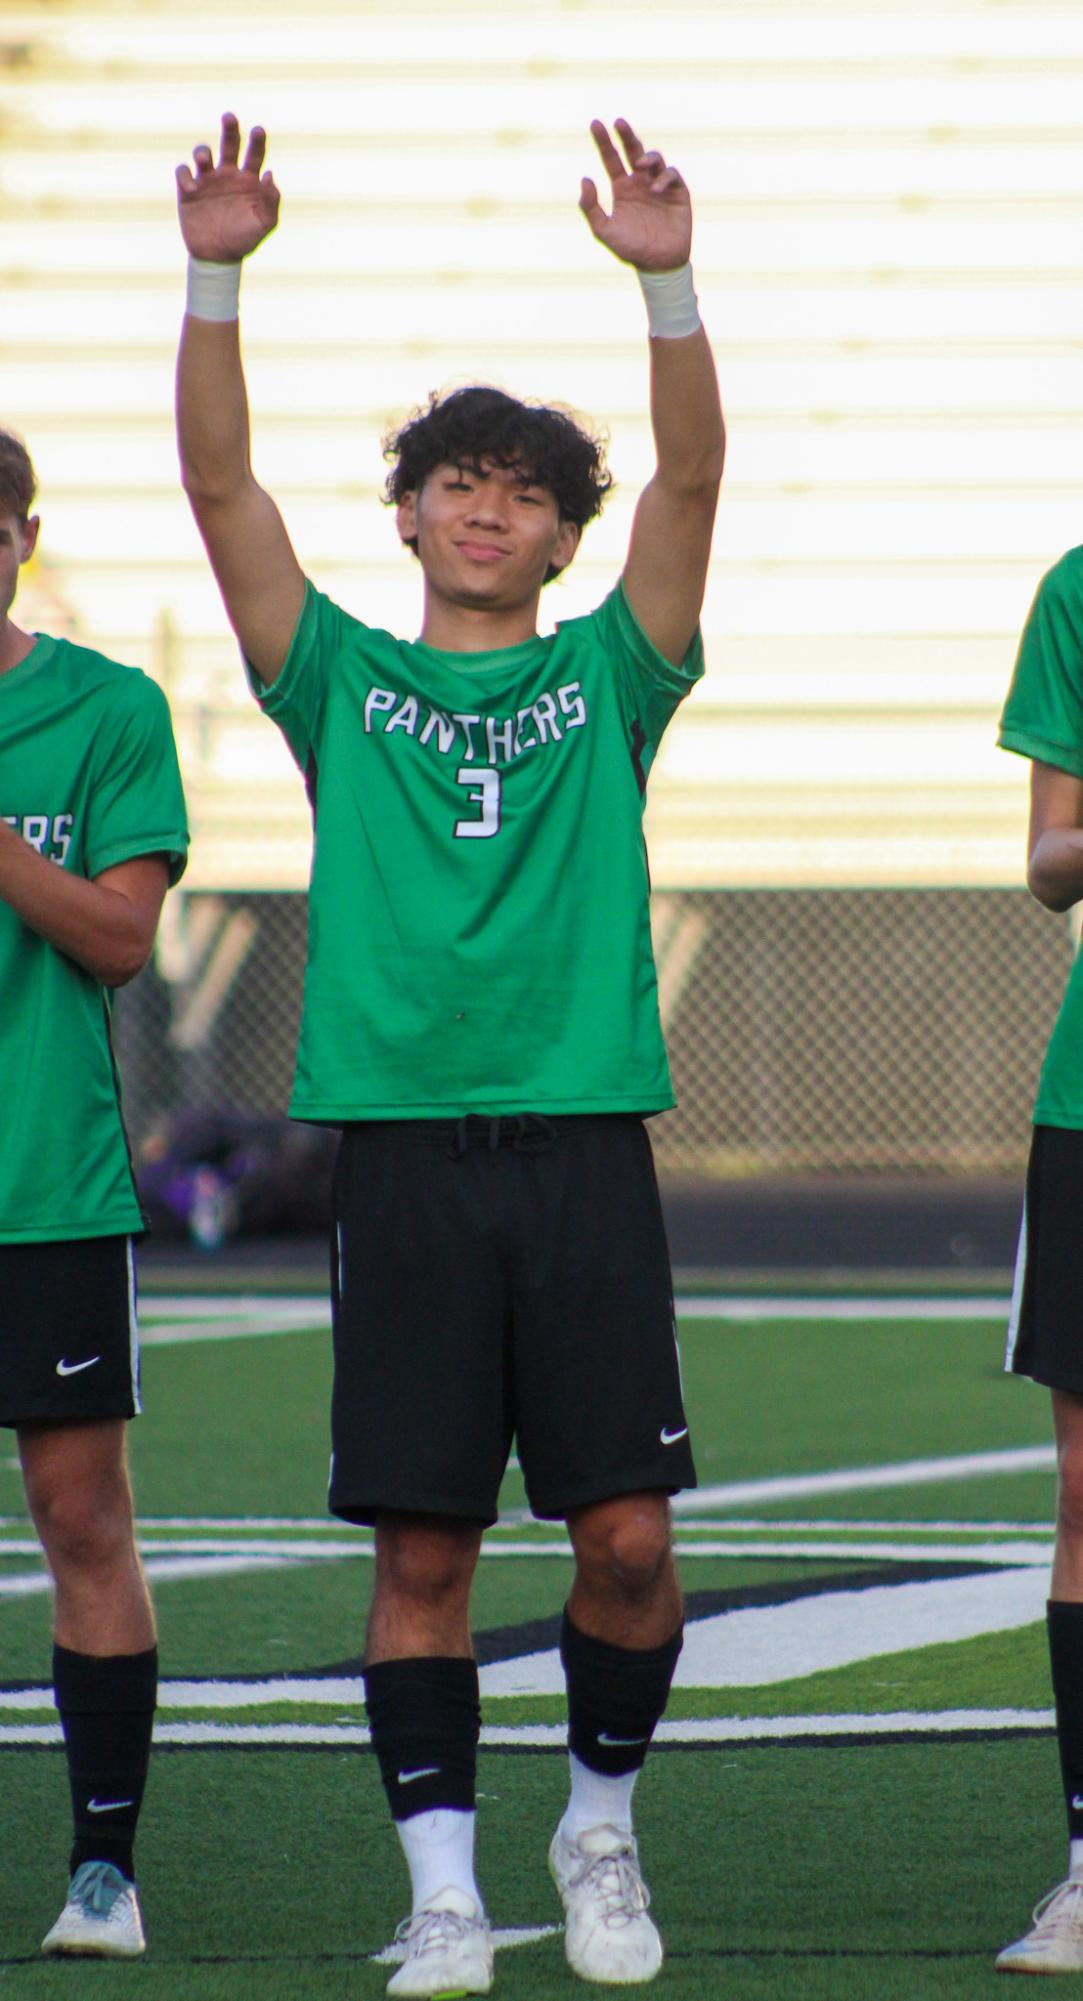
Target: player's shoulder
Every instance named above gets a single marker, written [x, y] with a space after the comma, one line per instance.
[105, 693]
[86, 672]
[1063, 581]
[337, 630]
[594, 628]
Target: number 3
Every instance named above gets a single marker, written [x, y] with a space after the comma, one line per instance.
[484, 792]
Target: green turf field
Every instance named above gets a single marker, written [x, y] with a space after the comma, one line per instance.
[855, 1792]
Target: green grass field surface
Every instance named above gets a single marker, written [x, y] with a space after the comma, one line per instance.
[856, 1867]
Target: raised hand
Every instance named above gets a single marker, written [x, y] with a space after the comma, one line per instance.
[226, 210]
[651, 222]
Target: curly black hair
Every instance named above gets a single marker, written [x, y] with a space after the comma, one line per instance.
[17, 482]
[469, 427]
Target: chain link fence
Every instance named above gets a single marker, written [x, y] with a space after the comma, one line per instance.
[810, 1031]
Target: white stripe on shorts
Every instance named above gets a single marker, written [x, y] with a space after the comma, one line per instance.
[133, 1331]
[1015, 1313]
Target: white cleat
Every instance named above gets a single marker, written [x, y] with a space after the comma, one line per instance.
[1054, 1943]
[101, 1917]
[449, 1949]
[607, 1933]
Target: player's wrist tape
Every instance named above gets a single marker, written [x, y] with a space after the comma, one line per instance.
[214, 290]
[672, 307]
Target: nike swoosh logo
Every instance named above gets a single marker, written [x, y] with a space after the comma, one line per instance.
[1077, 1803]
[425, 1772]
[605, 1738]
[107, 1806]
[671, 1437]
[73, 1368]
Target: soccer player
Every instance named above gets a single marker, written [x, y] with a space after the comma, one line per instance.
[1043, 720]
[92, 830]
[481, 1019]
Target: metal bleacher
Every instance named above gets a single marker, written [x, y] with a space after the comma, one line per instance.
[888, 203]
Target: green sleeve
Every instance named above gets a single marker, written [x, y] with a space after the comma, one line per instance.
[136, 803]
[649, 686]
[1043, 714]
[297, 700]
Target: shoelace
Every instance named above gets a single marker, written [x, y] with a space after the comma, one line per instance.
[99, 1889]
[616, 1882]
[1061, 1909]
[433, 1931]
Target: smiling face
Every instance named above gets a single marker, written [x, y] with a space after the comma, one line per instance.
[487, 538]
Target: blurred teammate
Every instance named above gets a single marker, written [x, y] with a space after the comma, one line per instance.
[1043, 720]
[92, 831]
[481, 1018]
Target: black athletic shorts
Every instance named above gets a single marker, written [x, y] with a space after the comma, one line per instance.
[69, 1343]
[493, 1277]
[1045, 1331]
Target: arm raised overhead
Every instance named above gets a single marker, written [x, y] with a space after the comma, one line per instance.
[226, 211]
[650, 227]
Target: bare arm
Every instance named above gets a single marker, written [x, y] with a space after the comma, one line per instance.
[225, 212]
[107, 926]
[666, 570]
[1055, 843]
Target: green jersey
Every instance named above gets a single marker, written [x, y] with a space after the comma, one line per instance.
[88, 775]
[479, 936]
[1043, 719]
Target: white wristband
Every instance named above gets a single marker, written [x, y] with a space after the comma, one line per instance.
[214, 290]
[672, 308]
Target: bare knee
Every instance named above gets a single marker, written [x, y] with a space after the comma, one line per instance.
[623, 1546]
[82, 1522]
[425, 1562]
[1070, 1490]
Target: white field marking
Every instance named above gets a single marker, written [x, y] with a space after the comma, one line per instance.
[190, 1557]
[502, 1939]
[756, 1310]
[864, 1479]
[251, 1321]
[164, 1570]
[746, 1647]
[819, 1524]
[755, 1646]
[215, 1546]
[325, 1691]
[1035, 1554]
[171, 1320]
[294, 1307]
[554, 1736]
[327, 1525]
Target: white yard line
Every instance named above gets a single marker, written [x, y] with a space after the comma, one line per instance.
[172, 1320]
[866, 1479]
[693, 1306]
[208, 1555]
[502, 1938]
[554, 1736]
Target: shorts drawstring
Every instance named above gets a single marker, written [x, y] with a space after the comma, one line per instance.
[524, 1132]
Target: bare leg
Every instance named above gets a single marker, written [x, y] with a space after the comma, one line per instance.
[421, 1593]
[77, 1489]
[626, 1590]
[1066, 1584]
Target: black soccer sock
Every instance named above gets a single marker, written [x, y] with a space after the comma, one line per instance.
[425, 1718]
[107, 1714]
[616, 1696]
[1064, 1625]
